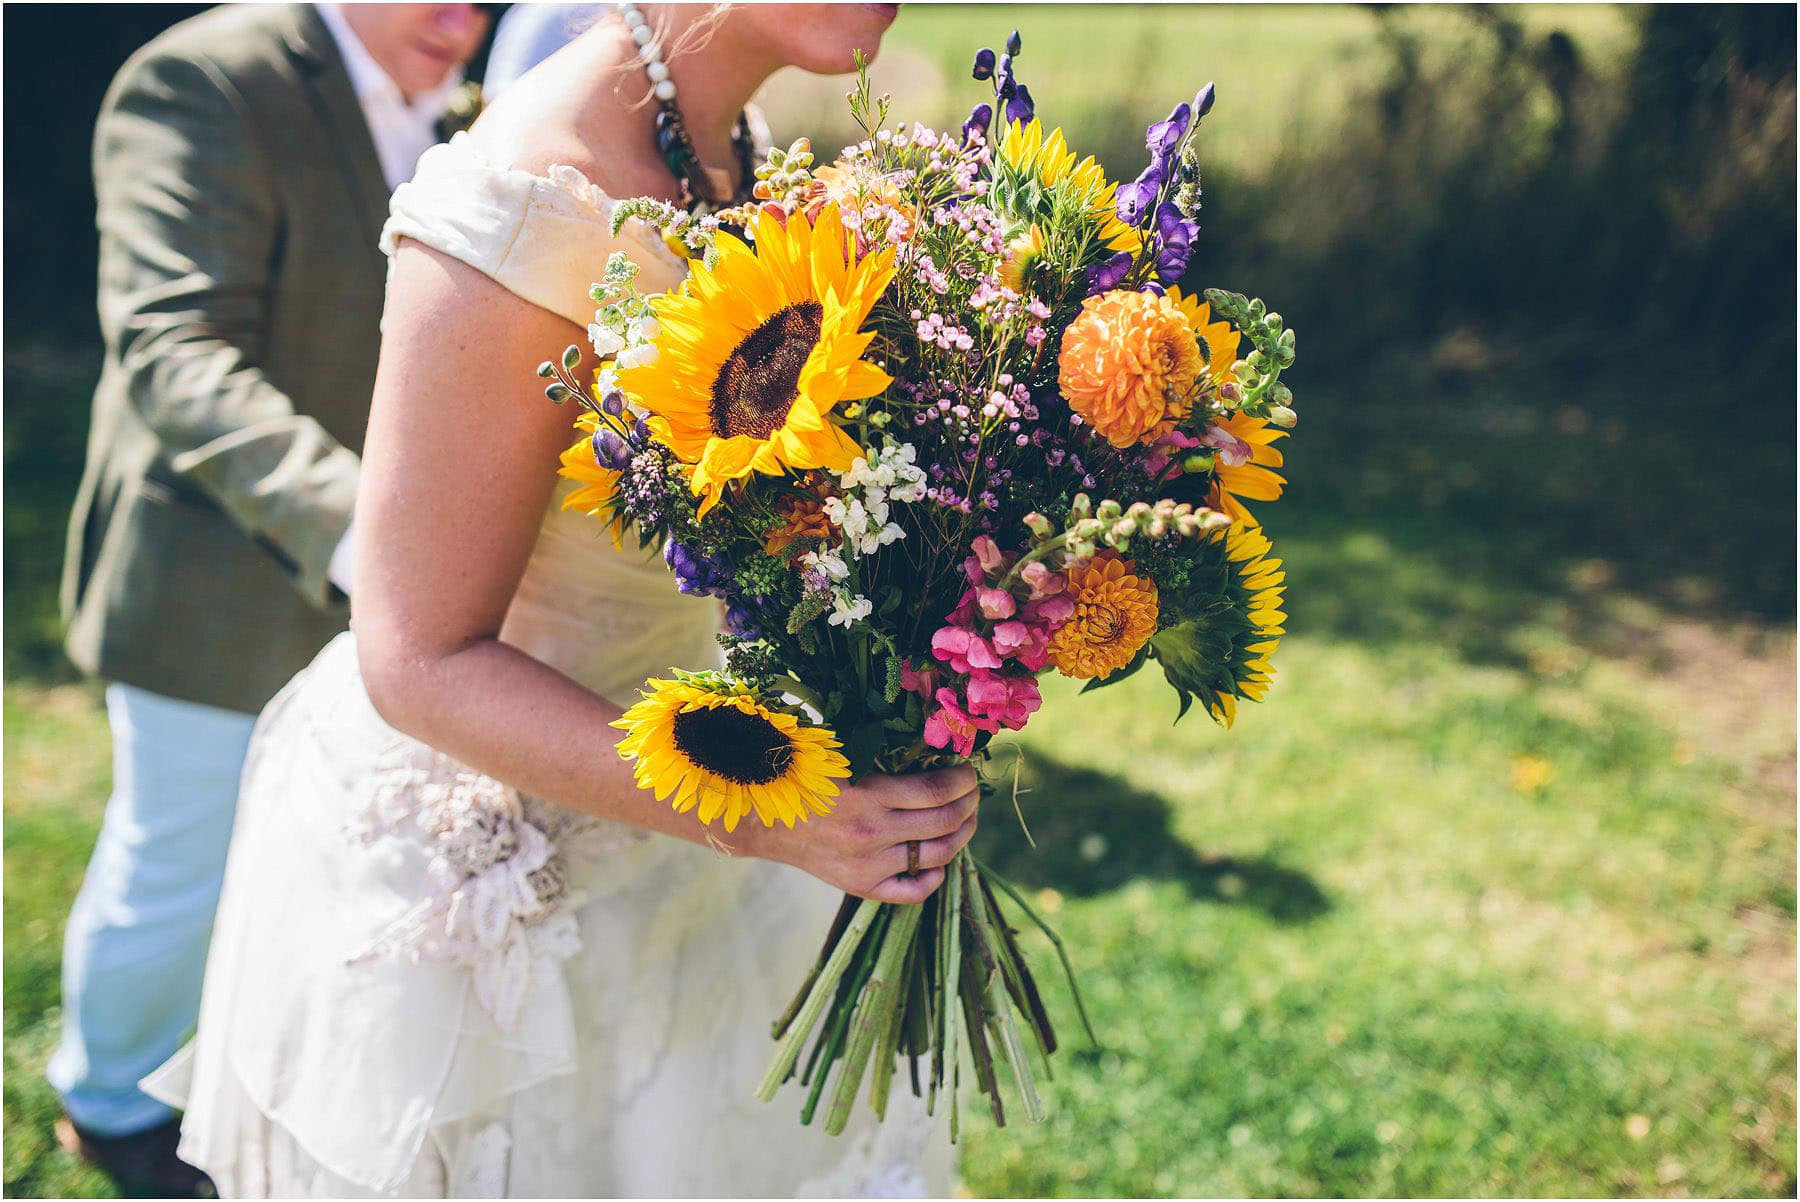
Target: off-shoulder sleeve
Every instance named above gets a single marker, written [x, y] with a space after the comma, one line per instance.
[544, 238]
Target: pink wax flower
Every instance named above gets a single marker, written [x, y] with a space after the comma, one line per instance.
[963, 649]
[949, 726]
[1010, 700]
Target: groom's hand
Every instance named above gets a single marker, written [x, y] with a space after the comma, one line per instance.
[861, 846]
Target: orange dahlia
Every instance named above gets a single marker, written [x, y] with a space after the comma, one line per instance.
[1115, 615]
[802, 516]
[1129, 364]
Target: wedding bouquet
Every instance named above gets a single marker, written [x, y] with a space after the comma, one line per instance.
[932, 420]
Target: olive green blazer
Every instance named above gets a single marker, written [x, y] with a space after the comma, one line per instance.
[240, 206]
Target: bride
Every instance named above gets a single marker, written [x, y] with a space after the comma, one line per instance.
[458, 953]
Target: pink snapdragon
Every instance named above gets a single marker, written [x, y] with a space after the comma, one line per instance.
[1009, 700]
[963, 649]
[950, 726]
[1170, 446]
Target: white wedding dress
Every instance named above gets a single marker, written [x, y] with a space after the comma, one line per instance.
[422, 984]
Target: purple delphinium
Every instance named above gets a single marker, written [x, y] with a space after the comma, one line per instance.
[697, 575]
[1109, 275]
[1020, 107]
[1136, 199]
[742, 621]
[979, 119]
[610, 450]
[1162, 138]
[1175, 237]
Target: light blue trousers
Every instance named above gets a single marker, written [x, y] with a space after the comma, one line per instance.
[135, 949]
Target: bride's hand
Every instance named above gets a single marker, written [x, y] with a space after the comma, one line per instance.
[860, 847]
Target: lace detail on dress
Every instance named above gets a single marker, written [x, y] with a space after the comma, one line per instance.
[498, 900]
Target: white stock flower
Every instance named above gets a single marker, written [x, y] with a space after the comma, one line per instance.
[846, 609]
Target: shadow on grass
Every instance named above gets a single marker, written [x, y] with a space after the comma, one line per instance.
[1094, 833]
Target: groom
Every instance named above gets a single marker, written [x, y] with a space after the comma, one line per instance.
[242, 166]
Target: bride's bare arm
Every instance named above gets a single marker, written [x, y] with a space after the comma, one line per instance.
[458, 467]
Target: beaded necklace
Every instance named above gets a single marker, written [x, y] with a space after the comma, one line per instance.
[672, 141]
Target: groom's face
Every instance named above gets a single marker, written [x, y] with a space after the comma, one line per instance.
[418, 45]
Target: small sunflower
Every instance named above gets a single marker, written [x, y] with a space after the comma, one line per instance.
[701, 741]
[1221, 653]
[1219, 340]
[598, 495]
[1026, 151]
[756, 351]
[1256, 478]
[1024, 253]
[1115, 615]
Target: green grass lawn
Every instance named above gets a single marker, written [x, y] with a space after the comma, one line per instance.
[1496, 895]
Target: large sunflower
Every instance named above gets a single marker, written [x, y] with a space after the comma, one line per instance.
[701, 741]
[1231, 622]
[1025, 151]
[755, 352]
[1255, 478]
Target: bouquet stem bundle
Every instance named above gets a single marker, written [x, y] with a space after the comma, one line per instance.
[930, 983]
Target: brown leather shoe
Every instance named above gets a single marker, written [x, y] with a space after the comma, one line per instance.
[142, 1164]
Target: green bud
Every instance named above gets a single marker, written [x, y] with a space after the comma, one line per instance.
[1273, 321]
[1108, 510]
[1159, 528]
[1081, 506]
[558, 394]
[1039, 525]
[546, 370]
[1123, 529]
[1198, 462]
[571, 358]
[1281, 394]
[1138, 511]
[1258, 361]
[1286, 341]
[1188, 525]
[1088, 529]
[1281, 415]
[1214, 520]
[1257, 309]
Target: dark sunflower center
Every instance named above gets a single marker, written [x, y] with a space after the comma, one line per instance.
[758, 381]
[727, 742]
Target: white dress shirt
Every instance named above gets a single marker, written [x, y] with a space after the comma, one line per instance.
[401, 132]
